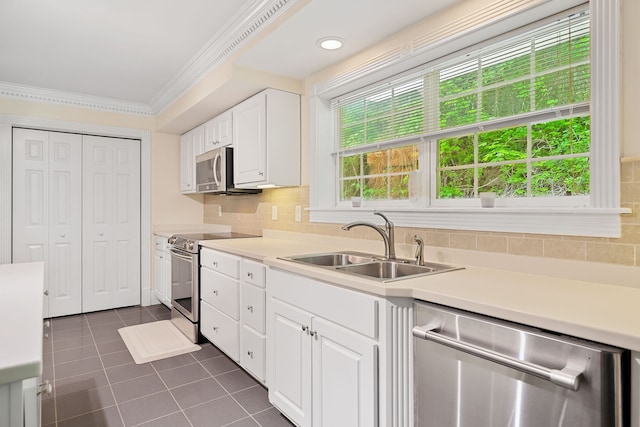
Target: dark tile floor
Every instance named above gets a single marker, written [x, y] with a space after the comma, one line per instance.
[97, 383]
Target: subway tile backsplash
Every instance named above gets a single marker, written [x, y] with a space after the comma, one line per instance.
[252, 214]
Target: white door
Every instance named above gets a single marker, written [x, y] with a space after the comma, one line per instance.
[249, 140]
[289, 362]
[345, 377]
[47, 213]
[111, 223]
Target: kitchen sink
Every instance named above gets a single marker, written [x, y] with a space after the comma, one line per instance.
[371, 266]
[387, 271]
[334, 259]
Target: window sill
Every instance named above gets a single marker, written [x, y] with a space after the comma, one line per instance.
[558, 221]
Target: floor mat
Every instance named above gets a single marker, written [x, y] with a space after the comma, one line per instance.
[156, 340]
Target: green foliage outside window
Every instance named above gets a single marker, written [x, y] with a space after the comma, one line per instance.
[545, 159]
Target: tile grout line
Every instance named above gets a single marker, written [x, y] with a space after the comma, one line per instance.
[170, 394]
[115, 401]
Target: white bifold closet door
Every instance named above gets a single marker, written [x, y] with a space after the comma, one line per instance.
[47, 206]
[110, 223]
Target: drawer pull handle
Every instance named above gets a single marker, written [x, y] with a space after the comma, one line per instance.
[250, 275]
[215, 263]
[250, 354]
[215, 292]
[215, 329]
[250, 308]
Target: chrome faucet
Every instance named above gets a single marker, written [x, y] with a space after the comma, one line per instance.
[387, 233]
[419, 250]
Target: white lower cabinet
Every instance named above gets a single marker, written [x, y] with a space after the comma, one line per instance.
[253, 340]
[219, 291]
[21, 403]
[319, 372]
[162, 269]
[232, 309]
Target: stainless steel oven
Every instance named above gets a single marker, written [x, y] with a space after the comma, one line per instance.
[185, 279]
[475, 371]
[185, 291]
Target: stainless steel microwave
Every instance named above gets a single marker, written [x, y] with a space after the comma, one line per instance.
[214, 173]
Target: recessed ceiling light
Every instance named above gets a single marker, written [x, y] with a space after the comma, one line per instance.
[330, 43]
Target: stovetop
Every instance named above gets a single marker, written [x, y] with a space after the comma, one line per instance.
[189, 242]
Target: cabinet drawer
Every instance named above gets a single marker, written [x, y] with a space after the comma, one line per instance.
[220, 262]
[252, 306]
[220, 291]
[220, 329]
[252, 272]
[252, 356]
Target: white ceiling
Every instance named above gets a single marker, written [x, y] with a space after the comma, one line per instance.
[133, 51]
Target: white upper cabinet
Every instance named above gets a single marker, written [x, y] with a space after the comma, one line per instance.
[191, 144]
[218, 131]
[266, 140]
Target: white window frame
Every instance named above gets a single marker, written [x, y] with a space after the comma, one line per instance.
[600, 217]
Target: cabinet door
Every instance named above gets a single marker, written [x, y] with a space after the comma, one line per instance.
[191, 144]
[249, 140]
[217, 131]
[111, 223]
[158, 281]
[187, 164]
[289, 361]
[344, 377]
[224, 129]
[166, 278]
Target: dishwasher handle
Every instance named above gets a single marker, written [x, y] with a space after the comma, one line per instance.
[566, 377]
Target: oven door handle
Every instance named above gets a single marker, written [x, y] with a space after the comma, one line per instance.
[566, 377]
[180, 255]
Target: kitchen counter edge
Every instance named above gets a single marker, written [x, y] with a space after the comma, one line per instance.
[592, 311]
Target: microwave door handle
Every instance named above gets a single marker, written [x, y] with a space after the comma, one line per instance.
[216, 160]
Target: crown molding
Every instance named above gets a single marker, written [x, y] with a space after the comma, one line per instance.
[70, 99]
[246, 23]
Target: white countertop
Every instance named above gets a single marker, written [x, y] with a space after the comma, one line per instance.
[598, 312]
[21, 287]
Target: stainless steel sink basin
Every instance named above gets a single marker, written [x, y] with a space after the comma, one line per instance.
[387, 271]
[371, 266]
[334, 259]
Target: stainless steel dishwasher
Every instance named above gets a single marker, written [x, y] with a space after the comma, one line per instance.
[476, 371]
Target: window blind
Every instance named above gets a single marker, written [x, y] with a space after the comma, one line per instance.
[534, 77]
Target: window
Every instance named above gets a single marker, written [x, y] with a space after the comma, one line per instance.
[512, 118]
[500, 98]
